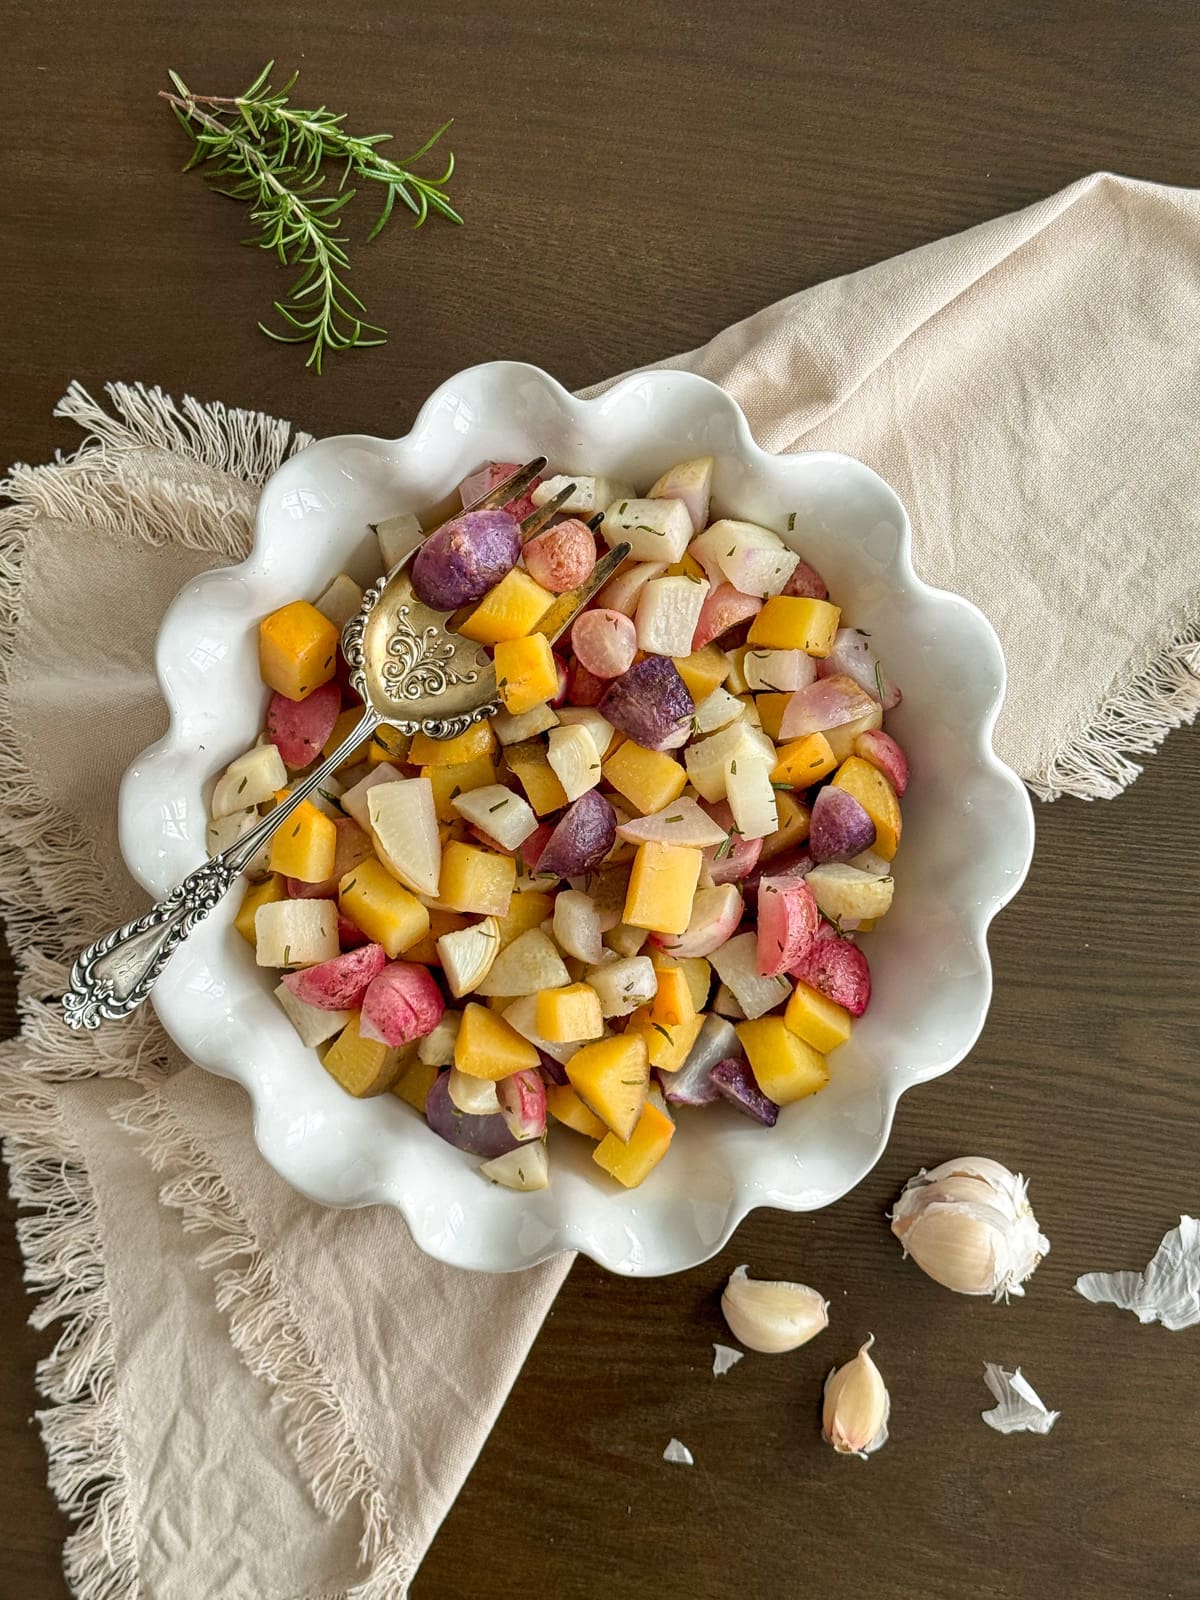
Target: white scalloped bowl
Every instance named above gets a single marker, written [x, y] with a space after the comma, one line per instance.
[968, 833]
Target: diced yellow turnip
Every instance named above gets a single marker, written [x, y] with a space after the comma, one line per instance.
[295, 933]
[468, 955]
[314, 1024]
[753, 559]
[574, 759]
[353, 799]
[524, 1169]
[221, 832]
[590, 494]
[588, 717]
[504, 816]
[778, 671]
[404, 829]
[751, 797]
[475, 1096]
[691, 482]
[655, 530]
[522, 1015]
[667, 613]
[624, 985]
[436, 1049]
[736, 964]
[248, 781]
[528, 964]
[706, 760]
[576, 925]
[845, 893]
[342, 600]
[512, 730]
[397, 536]
[717, 711]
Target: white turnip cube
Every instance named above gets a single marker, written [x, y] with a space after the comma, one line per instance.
[736, 964]
[313, 1023]
[691, 482]
[667, 614]
[751, 558]
[778, 671]
[397, 536]
[296, 933]
[249, 781]
[655, 530]
[751, 797]
[341, 601]
[706, 760]
[591, 494]
[718, 710]
[504, 816]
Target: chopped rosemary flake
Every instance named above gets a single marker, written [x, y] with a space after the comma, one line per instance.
[817, 763]
[346, 888]
[296, 830]
[633, 1083]
[456, 791]
[775, 785]
[733, 768]
[621, 507]
[499, 806]
[879, 681]
[521, 1174]
[791, 521]
[666, 1033]
[243, 784]
[287, 955]
[679, 818]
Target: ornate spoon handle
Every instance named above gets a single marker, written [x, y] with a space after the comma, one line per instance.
[113, 976]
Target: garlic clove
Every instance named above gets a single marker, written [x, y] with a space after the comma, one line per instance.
[854, 1416]
[969, 1226]
[772, 1317]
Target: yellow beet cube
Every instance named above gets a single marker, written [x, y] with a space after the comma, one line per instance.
[512, 610]
[425, 950]
[527, 909]
[803, 762]
[631, 1162]
[672, 1003]
[612, 1077]
[530, 765]
[699, 976]
[567, 1015]
[703, 671]
[526, 673]
[668, 1046]
[477, 740]
[877, 798]
[449, 782]
[362, 1066]
[414, 1083]
[649, 779]
[487, 1047]
[817, 1020]
[790, 622]
[342, 729]
[297, 650]
[387, 912]
[387, 744]
[662, 886]
[258, 894]
[770, 712]
[736, 681]
[566, 1107]
[476, 880]
[305, 846]
[785, 1066]
[794, 819]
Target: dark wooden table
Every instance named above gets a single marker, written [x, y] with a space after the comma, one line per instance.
[635, 176]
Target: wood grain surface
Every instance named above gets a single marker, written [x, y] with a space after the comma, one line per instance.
[635, 176]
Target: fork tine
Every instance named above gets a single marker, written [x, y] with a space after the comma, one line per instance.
[537, 520]
[594, 522]
[567, 607]
[515, 484]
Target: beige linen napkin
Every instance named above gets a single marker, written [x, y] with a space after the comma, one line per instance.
[1031, 389]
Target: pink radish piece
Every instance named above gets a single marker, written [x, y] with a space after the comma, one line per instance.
[353, 845]
[840, 827]
[341, 983]
[350, 935]
[487, 477]
[564, 681]
[715, 915]
[823, 705]
[882, 751]
[402, 1004]
[791, 864]
[723, 609]
[605, 642]
[299, 728]
[788, 920]
[838, 968]
[583, 687]
[523, 1104]
[562, 557]
[853, 656]
[734, 858]
[806, 583]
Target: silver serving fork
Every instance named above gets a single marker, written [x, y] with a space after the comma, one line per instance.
[413, 673]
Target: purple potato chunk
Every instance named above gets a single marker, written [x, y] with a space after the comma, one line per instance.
[734, 1080]
[692, 1084]
[840, 827]
[583, 836]
[650, 703]
[464, 558]
[488, 1136]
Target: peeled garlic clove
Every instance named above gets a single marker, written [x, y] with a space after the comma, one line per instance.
[855, 1413]
[969, 1226]
[772, 1317]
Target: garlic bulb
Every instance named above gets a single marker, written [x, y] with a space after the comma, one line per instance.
[772, 1317]
[968, 1224]
[855, 1414]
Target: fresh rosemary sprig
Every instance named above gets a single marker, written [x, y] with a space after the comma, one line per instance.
[273, 155]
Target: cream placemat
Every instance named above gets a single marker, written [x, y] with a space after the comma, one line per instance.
[1031, 389]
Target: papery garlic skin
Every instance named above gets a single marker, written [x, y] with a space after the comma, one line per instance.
[772, 1317]
[854, 1415]
[968, 1224]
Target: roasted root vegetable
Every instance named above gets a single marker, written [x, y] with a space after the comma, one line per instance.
[297, 650]
[362, 1066]
[402, 1004]
[467, 556]
[340, 983]
[631, 1160]
[612, 1077]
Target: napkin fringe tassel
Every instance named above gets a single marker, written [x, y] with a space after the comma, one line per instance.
[1096, 763]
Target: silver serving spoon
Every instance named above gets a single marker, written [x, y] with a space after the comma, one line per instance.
[413, 673]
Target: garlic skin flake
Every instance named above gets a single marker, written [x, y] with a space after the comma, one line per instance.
[969, 1226]
[1019, 1407]
[679, 1454]
[772, 1317]
[1168, 1291]
[724, 1357]
[854, 1416]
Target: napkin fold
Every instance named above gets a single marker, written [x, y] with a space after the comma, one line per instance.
[1030, 389]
